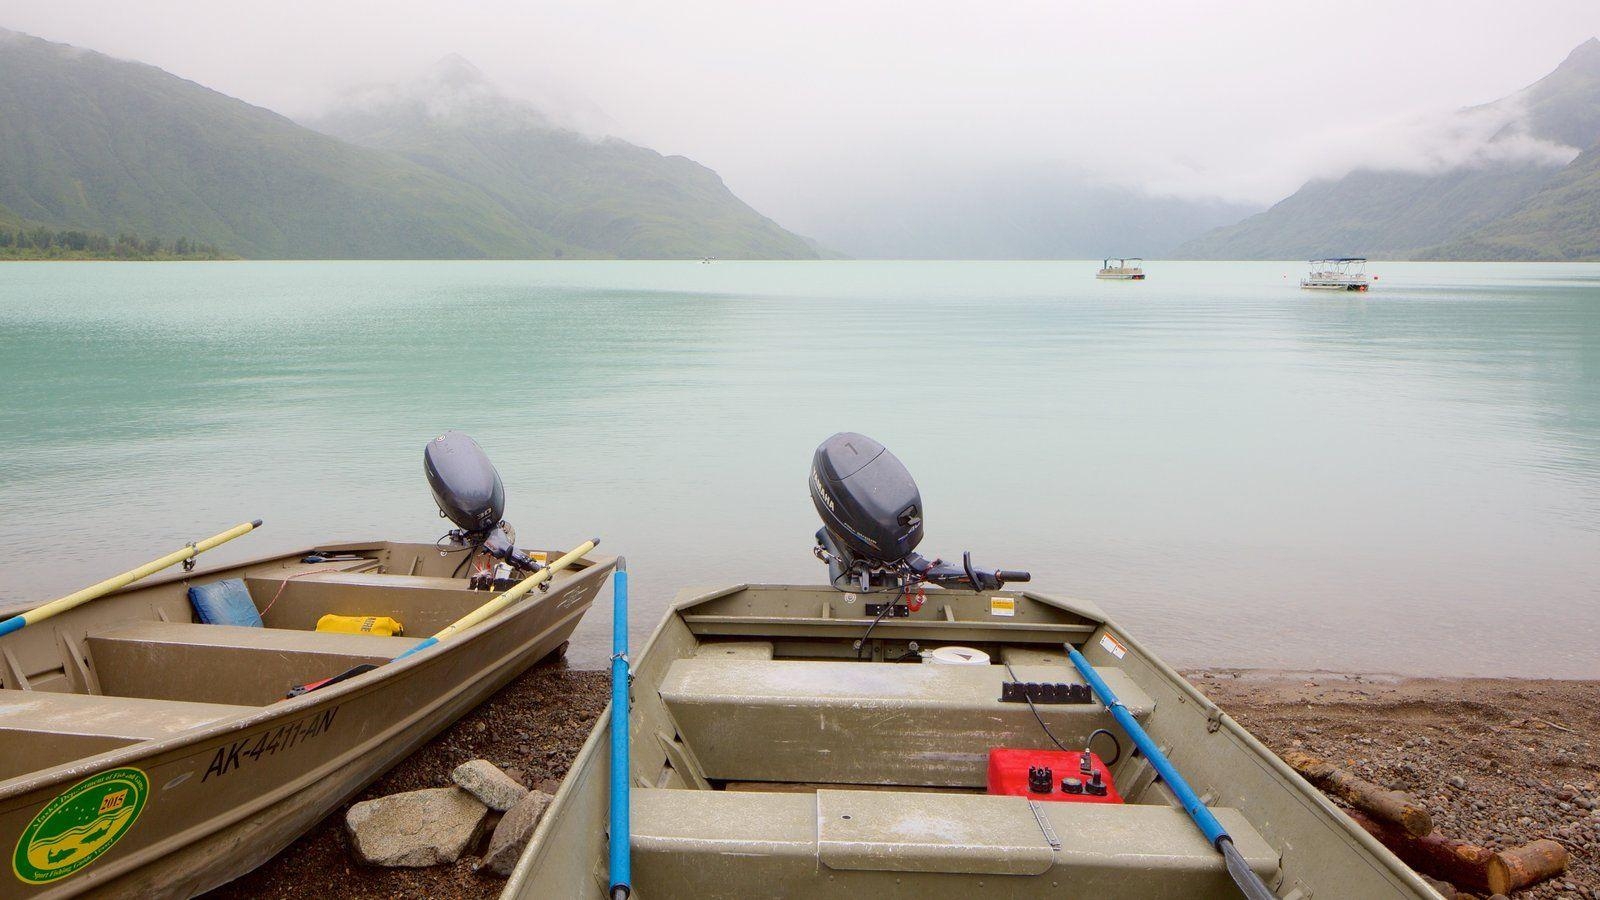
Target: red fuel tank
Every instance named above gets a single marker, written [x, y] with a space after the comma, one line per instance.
[1010, 772]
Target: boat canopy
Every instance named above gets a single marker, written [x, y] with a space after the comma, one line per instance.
[1121, 263]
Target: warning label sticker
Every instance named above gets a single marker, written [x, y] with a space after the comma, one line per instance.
[1113, 646]
[1002, 606]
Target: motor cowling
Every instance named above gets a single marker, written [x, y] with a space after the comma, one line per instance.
[867, 499]
[465, 485]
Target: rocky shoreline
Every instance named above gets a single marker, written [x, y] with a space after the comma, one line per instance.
[1497, 762]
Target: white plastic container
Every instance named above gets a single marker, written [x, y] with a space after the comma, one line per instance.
[956, 656]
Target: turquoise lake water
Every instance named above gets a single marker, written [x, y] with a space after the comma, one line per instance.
[1241, 472]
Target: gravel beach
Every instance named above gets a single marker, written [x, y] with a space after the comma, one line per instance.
[1496, 761]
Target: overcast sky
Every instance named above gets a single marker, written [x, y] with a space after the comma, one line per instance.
[792, 102]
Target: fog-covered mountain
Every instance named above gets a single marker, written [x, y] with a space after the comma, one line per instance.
[1559, 222]
[604, 195]
[1017, 215]
[93, 142]
[110, 146]
[1475, 168]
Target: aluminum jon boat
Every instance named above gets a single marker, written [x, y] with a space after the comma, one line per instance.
[897, 734]
[769, 761]
[146, 753]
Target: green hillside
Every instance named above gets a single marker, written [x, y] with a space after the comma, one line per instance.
[1560, 222]
[1393, 214]
[610, 197]
[111, 147]
[91, 142]
[1378, 214]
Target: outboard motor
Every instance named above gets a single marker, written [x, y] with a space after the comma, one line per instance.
[465, 484]
[469, 492]
[872, 523]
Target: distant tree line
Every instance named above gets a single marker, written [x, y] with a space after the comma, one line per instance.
[40, 242]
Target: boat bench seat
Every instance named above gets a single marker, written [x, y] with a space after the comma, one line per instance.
[40, 729]
[845, 722]
[423, 604]
[226, 663]
[902, 843]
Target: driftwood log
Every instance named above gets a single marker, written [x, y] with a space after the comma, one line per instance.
[1458, 862]
[1468, 865]
[1519, 867]
[1386, 805]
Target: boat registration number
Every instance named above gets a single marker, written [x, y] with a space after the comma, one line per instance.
[251, 748]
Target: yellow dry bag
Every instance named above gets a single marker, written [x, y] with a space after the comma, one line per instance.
[379, 625]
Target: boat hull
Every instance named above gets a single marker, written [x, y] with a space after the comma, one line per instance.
[225, 797]
[763, 764]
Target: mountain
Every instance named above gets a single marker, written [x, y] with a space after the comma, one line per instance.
[604, 195]
[1560, 222]
[1029, 214]
[1482, 164]
[92, 142]
[109, 146]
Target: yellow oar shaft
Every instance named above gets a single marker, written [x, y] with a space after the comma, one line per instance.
[517, 592]
[56, 607]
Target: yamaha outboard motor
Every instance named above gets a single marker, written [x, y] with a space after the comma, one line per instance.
[469, 493]
[872, 523]
[465, 484]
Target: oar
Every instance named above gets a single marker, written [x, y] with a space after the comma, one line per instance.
[1248, 881]
[515, 593]
[56, 607]
[621, 835]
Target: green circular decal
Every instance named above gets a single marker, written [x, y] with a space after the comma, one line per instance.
[79, 825]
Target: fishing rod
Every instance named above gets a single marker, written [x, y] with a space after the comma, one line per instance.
[621, 836]
[515, 593]
[1248, 881]
[190, 551]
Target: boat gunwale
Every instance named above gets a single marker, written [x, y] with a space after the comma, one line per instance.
[18, 607]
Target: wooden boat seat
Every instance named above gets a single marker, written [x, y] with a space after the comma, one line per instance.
[836, 841]
[40, 729]
[845, 722]
[226, 663]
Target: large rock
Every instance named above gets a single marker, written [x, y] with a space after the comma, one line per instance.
[484, 780]
[513, 832]
[418, 828]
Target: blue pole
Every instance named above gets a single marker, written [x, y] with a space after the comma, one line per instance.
[1249, 882]
[621, 836]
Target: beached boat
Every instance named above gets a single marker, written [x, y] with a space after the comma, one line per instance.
[1130, 269]
[1344, 273]
[899, 733]
[144, 753]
